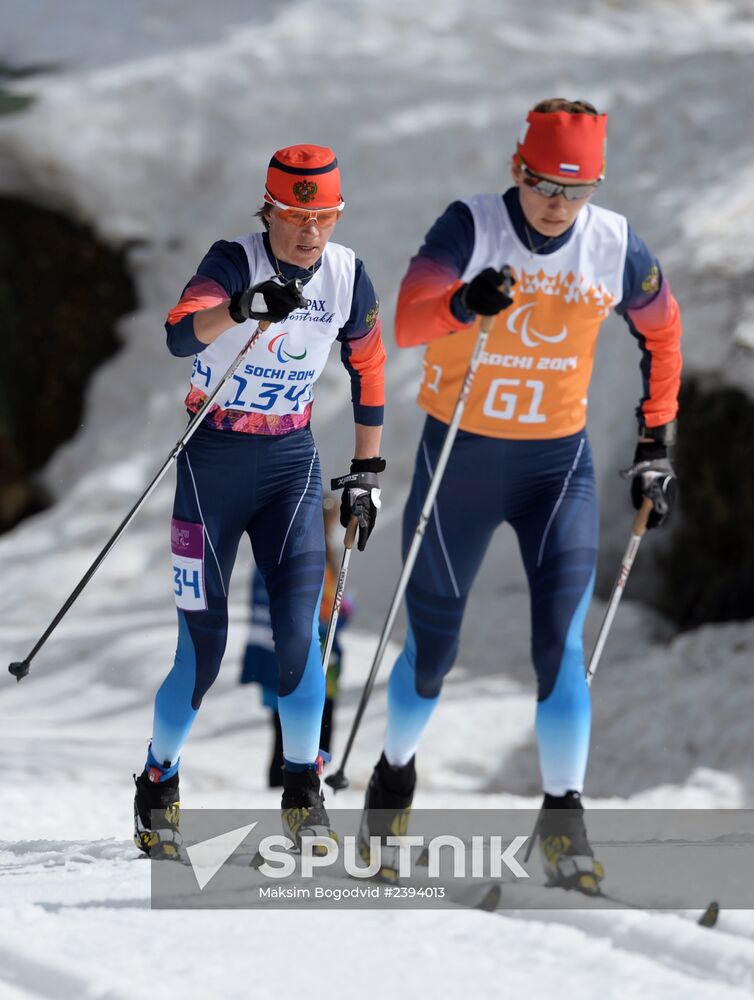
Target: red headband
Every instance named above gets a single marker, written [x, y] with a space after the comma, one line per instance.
[304, 175]
[564, 145]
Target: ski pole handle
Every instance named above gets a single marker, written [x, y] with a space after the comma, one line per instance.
[642, 517]
[351, 530]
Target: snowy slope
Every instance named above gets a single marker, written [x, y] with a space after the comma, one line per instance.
[75, 899]
[157, 129]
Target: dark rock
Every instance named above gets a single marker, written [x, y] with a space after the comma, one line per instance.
[61, 292]
[708, 568]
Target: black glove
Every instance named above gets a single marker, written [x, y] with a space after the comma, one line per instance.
[482, 294]
[268, 300]
[361, 495]
[652, 476]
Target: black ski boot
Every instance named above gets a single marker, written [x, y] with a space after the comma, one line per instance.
[387, 807]
[567, 855]
[163, 840]
[303, 806]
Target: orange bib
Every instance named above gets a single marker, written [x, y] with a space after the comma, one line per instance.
[533, 376]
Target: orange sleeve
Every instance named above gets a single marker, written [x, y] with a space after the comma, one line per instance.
[423, 312]
[658, 327]
[365, 361]
[200, 293]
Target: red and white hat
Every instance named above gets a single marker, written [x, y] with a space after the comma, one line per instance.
[563, 144]
[304, 175]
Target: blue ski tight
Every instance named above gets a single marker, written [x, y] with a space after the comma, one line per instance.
[268, 487]
[546, 491]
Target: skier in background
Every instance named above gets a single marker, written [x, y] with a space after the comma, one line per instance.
[259, 662]
[253, 468]
[522, 454]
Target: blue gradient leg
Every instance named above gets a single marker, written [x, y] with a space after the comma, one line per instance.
[557, 525]
[206, 494]
[174, 713]
[301, 710]
[294, 574]
[564, 717]
[407, 711]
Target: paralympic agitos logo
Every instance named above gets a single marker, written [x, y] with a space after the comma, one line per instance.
[280, 352]
[518, 323]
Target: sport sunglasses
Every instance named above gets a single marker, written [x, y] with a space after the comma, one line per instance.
[302, 216]
[550, 189]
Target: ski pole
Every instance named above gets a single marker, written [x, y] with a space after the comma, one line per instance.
[637, 533]
[339, 779]
[339, 589]
[21, 669]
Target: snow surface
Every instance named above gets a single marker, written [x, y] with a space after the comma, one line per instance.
[155, 128]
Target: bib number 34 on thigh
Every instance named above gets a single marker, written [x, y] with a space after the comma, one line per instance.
[187, 546]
